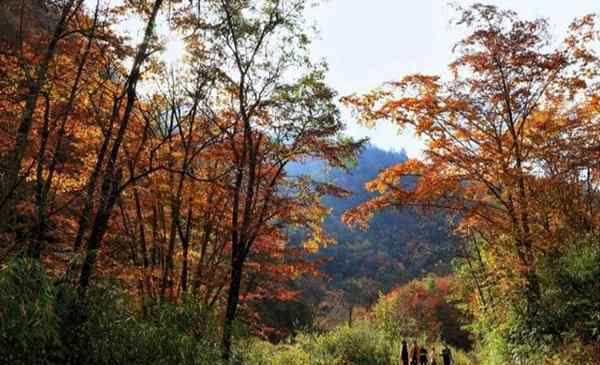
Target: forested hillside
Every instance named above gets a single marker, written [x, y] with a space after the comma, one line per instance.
[399, 244]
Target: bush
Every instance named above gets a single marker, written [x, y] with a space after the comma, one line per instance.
[566, 327]
[359, 344]
[29, 326]
[42, 323]
[362, 344]
[571, 301]
[168, 335]
[423, 308]
[265, 353]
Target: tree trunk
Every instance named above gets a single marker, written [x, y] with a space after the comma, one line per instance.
[350, 312]
[143, 244]
[185, 243]
[112, 174]
[88, 206]
[35, 246]
[233, 296]
[15, 157]
[111, 189]
[169, 262]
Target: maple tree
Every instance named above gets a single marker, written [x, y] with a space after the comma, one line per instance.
[180, 191]
[509, 124]
[423, 307]
[268, 121]
[37, 79]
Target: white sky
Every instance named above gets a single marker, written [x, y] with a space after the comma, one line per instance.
[369, 42]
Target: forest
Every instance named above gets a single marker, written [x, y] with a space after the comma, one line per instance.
[217, 210]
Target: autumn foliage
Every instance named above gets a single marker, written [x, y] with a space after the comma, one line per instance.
[511, 149]
[170, 179]
[423, 308]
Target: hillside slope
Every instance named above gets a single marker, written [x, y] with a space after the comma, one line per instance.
[398, 246]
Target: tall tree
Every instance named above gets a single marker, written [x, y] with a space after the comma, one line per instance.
[514, 103]
[71, 103]
[112, 174]
[269, 117]
[36, 84]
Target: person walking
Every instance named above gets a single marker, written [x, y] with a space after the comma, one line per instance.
[423, 356]
[447, 355]
[415, 354]
[404, 353]
[432, 359]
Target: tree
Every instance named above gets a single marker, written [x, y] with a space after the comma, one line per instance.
[357, 293]
[513, 121]
[69, 108]
[36, 84]
[269, 118]
[112, 174]
[423, 307]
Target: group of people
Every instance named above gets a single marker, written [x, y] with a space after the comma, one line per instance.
[422, 356]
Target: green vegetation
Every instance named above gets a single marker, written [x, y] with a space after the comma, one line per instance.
[566, 328]
[42, 322]
[365, 343]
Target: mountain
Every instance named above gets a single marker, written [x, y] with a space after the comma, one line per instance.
[398, 246]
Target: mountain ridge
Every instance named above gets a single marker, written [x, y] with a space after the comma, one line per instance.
[398, 246]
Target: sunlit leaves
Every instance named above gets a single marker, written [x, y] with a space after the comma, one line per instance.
[509, 142]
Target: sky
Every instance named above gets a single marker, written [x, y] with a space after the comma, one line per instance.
[369, 42]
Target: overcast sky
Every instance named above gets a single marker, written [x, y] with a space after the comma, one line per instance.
[368, 42]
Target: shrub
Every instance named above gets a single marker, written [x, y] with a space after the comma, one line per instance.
[115, 334]
[359, 344]
[420, 308]
[265, 353]
[29, 326]
[566, 327]
[45, 323]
